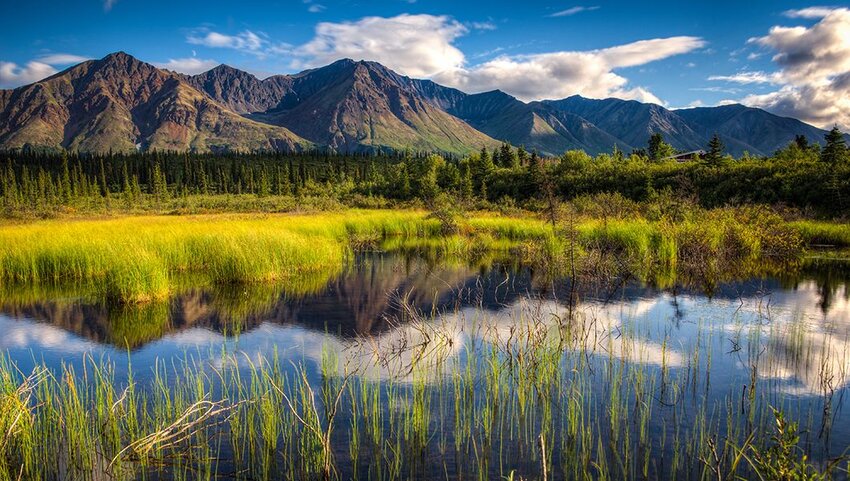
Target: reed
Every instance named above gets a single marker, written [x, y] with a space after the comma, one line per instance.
[527, 398]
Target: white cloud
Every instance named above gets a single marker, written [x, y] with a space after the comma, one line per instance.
[316, 8]
[810, 12]
[108, 4]
[62, 59]
[415, 45]
[749, 78]
[573, 10]
[645, 51]
[715, 89]
[561, 74]
[814, 68]
[483, 25]
[246, 41]
[14, 75]
[424, 46]
[189, 66]
[487, 53]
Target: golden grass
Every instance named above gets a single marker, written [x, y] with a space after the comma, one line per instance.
[143, 258]
[134, 259]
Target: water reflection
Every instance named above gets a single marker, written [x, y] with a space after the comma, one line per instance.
[386, 311]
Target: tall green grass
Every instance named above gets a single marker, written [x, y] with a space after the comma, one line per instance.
[141, 259]
[824, 233]
[135, 259]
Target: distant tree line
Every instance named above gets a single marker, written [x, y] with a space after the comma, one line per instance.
[801, 175]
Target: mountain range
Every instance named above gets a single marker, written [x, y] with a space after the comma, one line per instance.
[119, 103]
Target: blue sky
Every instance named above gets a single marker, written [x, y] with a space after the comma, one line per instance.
[790, 57]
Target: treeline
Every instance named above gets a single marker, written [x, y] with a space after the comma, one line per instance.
[802, 175]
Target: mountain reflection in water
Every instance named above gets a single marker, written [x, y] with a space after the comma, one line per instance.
[382, 305]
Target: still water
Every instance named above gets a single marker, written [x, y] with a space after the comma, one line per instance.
[383, 313]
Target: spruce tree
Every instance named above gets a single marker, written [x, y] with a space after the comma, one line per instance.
[835, 150]
[65, 185]
[714, 155]
[522, 155]
[486, 161]
[507, 156]
[617, 154]
[658, 149]
[405, 190]
[264, 187]
[104, 186]
[535, 172]
[466, 186]
[160, 187]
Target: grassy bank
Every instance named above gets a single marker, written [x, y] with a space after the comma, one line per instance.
[139, 259]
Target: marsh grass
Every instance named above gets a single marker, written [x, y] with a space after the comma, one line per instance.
[833, 234]
[137, 259]
[148, 259]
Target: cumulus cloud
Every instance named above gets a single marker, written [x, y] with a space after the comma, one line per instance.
[246, 40]
[416, 45]
[189, 66]
[560, 74]
[814, 68]
[14, 75]
[573, 11]
[424, 46]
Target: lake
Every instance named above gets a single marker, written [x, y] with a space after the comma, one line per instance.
[475, 371]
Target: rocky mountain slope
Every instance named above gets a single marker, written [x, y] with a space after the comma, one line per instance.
[758, 131]
[119, 103]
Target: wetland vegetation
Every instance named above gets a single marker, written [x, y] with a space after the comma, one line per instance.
[501, 316]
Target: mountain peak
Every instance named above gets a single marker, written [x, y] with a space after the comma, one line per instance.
[226, 72]
[127, 66]
[120, 57]
[496, 94]
[347, 63]
[118, 54]
[227, 69]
